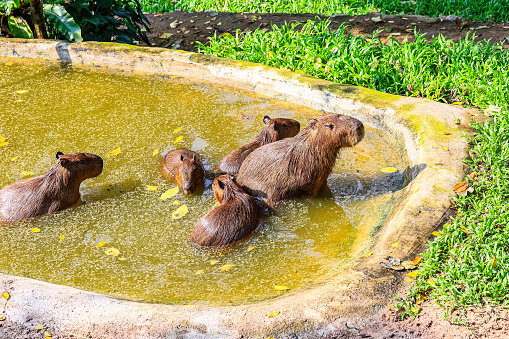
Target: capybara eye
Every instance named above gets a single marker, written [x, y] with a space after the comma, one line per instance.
[359, 128]
[80, 162]
[331, 126]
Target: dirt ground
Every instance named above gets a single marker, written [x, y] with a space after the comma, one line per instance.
[181, 30]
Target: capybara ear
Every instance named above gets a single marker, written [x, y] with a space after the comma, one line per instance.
[323, 112]
[59, 154]
[221, 184]
[64, 162]
[266, 119]
[312, 123]
[181, 157]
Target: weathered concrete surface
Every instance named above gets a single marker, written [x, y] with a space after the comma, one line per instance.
[355, 293]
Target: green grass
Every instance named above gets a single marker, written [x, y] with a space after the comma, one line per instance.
[460, 263]
[480, 10]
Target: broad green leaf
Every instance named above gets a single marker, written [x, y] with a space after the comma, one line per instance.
[6, 6]
[63, 21]
[19, 28]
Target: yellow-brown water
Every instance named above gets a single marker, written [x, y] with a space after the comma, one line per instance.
[82, 110]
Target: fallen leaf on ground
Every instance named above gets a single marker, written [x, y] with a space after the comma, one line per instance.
[170, 193]
[391, 307]
[274, 314]
[447, 133]
[460, 187]
[395, 244]
[457, 121]
[226, 267]
[165, 35]
[112, 251]
[408, 280]
[281, 288]
[47, 334]
[458, 103]
[199, 272]
[35, 230]
[2, 317]
[40, 327]
[417, 260]
[174, 24]
[445, 148]
[436, 234]
[101, 244]
[414, 274]
[388, 169]
[473, 175]
[369, 254]
[180, 212]
[493, 262]
[464, 229]
[152, 188]
[415, 309]
[6, 295]
[114, 153]
[431, 282]
[409, 265]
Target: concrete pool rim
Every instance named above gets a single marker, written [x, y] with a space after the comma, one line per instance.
[358, 290]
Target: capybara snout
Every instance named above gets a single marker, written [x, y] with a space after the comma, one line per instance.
[185, 168]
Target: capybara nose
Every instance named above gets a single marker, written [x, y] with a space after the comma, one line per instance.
[360, 131]
[188, 189]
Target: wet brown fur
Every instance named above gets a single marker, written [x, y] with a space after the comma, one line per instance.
[299, 166]
[51, 192]
[185, 167]
[274, 130]
[233, 220]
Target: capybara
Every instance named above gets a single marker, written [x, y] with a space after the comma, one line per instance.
[274, 130]
[185, 167]
[233, 220]
[54, 191]
[299, 166]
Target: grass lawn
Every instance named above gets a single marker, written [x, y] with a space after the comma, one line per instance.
[468, 263]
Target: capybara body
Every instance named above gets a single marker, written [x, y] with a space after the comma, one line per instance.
[299, 166]
[274, 130]
[185, 167]
[233, 220]
[54, 191]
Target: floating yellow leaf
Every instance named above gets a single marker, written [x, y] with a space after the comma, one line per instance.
[14, 158]
[180, 212]
[213, 262]
[22, 91]
[457, 121]
[493, 262]
[408, 280]
[2, 317]
[178, 139]
[170, 193]
[114, 153]
[274, 314]
[27, 173]
[395, 244]
[251, 248]
[458, 103]
[368, 254]
[35, 230]
[414, 274]
[436, 234]
[19, 100]
[2, 139]
[281, 288]
[4, 143]
[388, 169]
[6, 295]
[9, 63]
[226, 267]
[417, 260]
[101, 244]
[445, 148]
[199, 272]
[152, 188]
[40, 327]
[62, 236]
[156, 152]
[460, 187]
[188, 304]
[112, 251]
[176, 202]
[122, 258]
[431, 282]
[176, 130]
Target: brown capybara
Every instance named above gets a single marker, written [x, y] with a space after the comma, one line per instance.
[274, 130]
[233, 220]
[185, 167]
[299, 166]
[54, 191]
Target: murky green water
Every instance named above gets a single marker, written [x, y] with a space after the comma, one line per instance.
[80, 110]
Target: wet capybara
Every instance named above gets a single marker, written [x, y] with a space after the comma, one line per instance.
[185, 167]
[233, 220]
[299, 166]
[54, 191]
[274, 130]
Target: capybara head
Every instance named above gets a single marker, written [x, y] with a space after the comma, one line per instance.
[223, 187]
[335, 131]
[81, 165]
[279, 129]
[189, 174]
